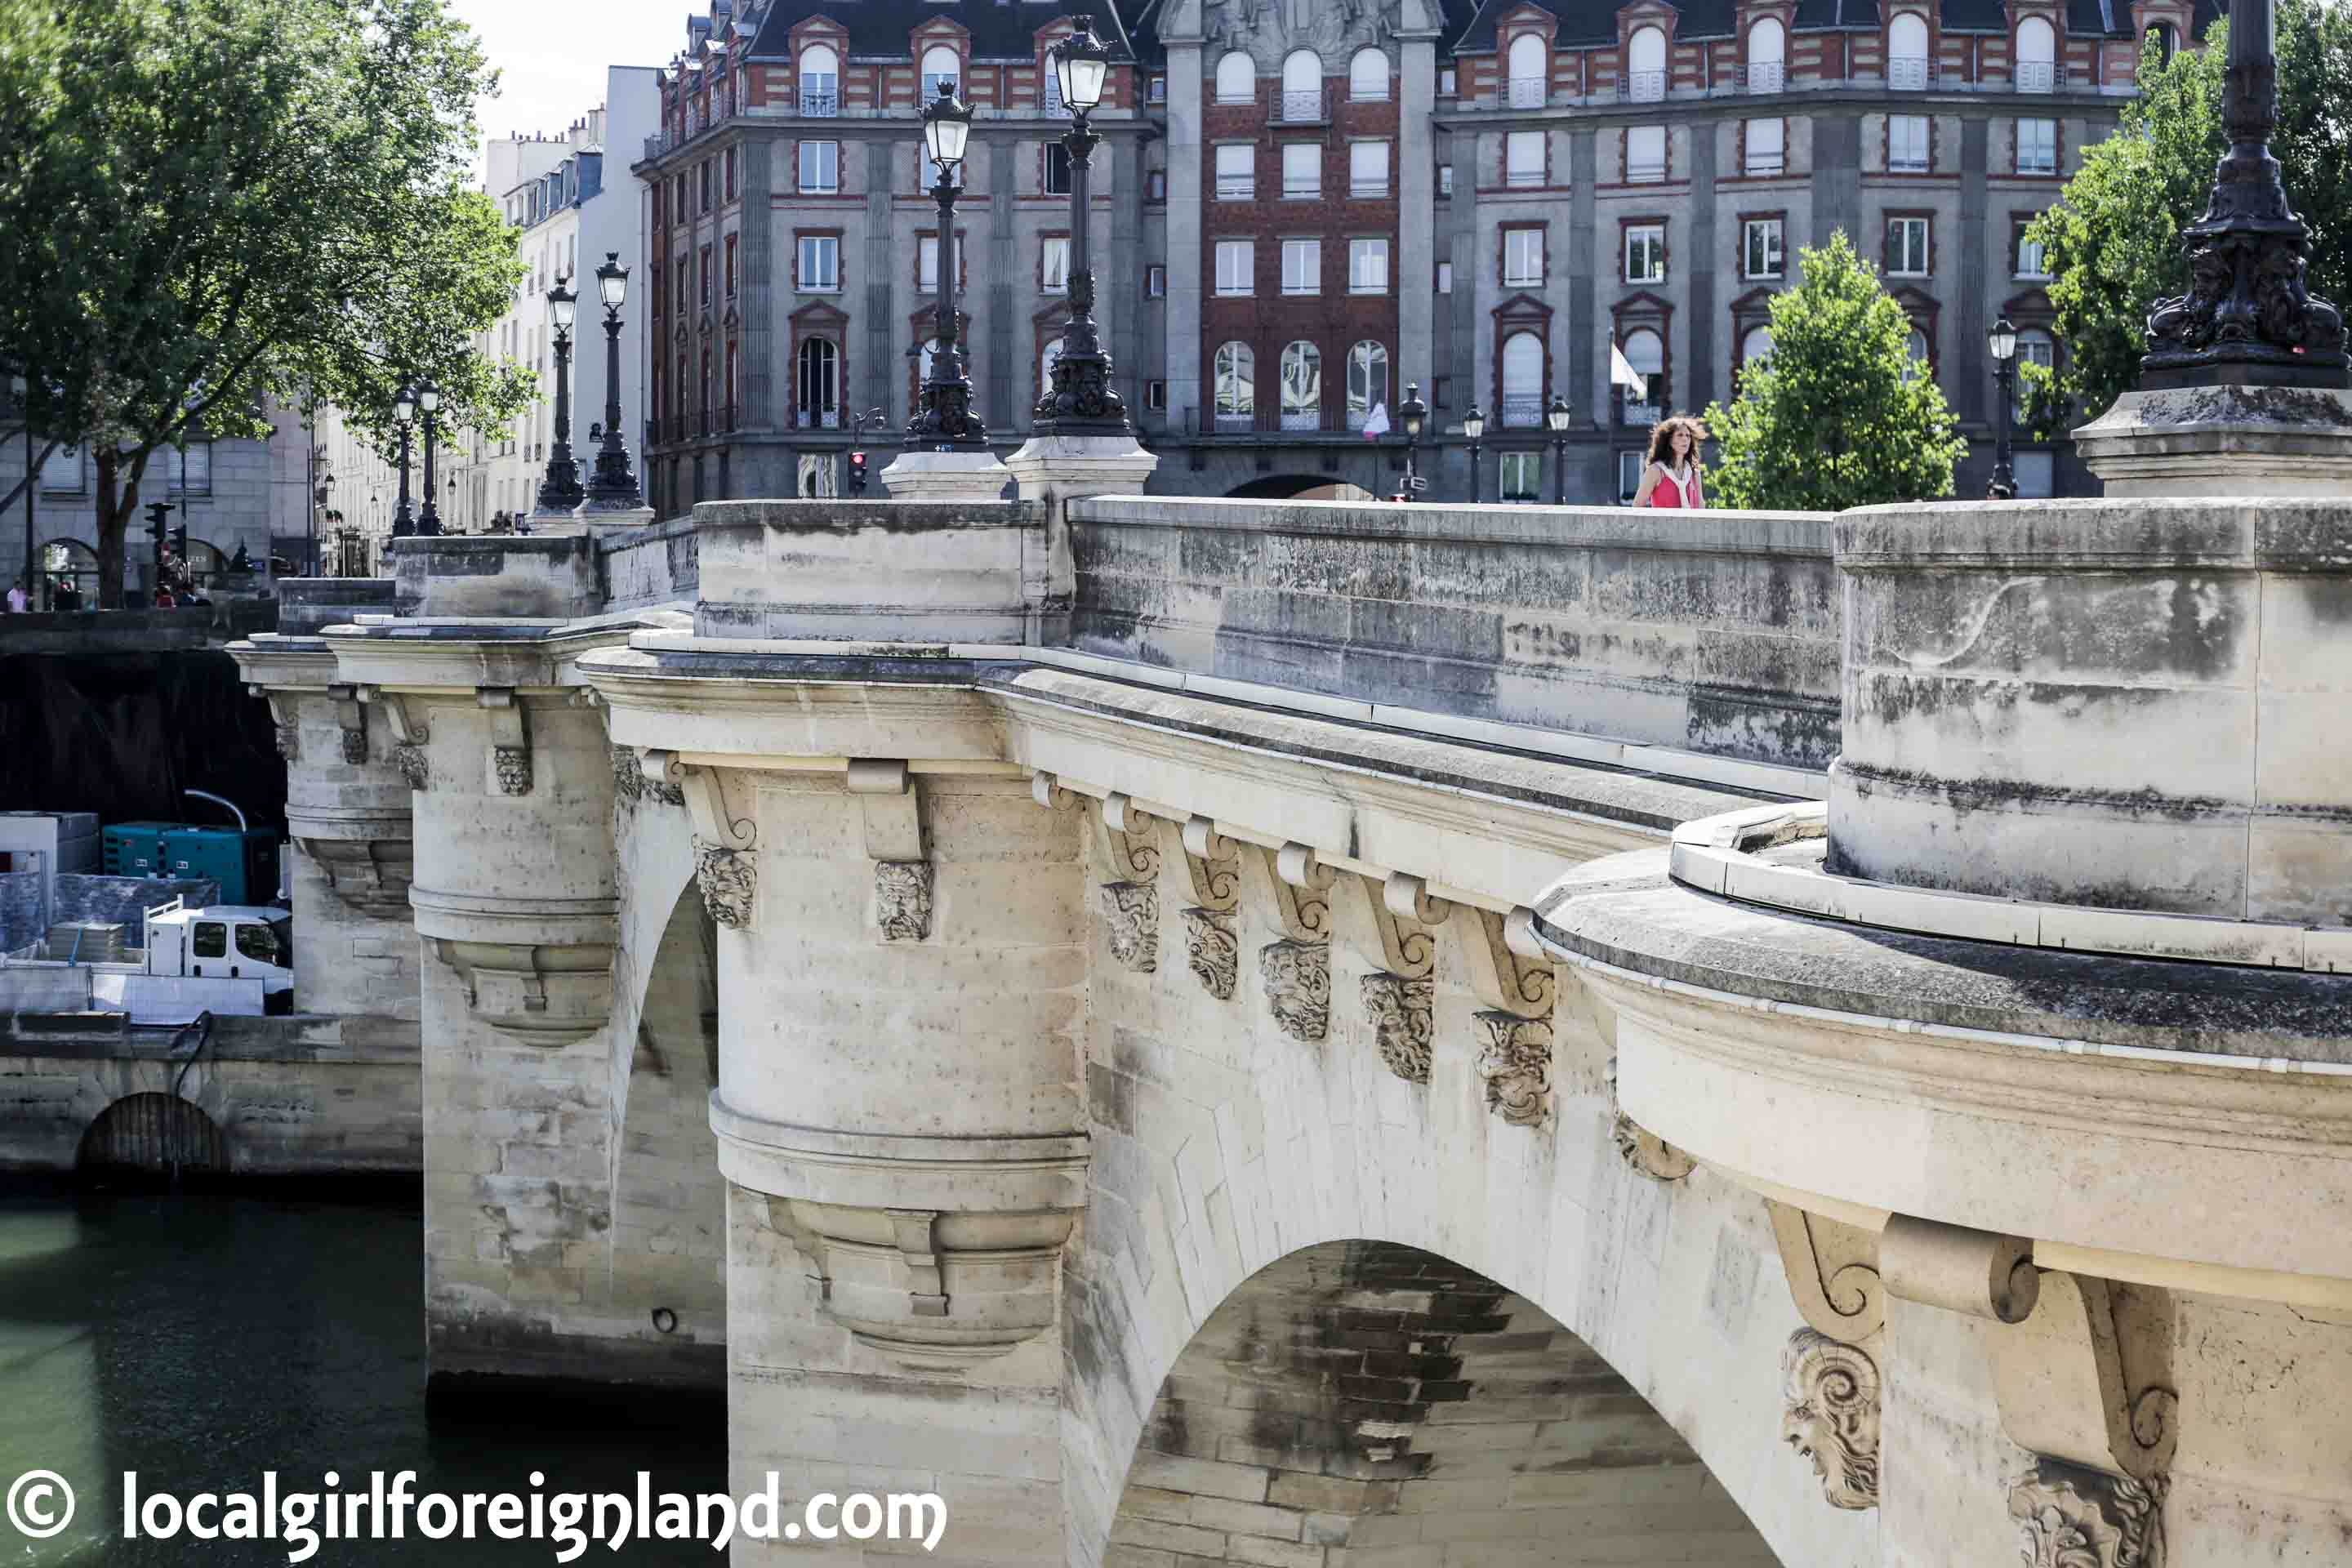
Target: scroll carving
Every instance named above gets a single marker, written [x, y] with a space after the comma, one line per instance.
[1298, 977]
[1404, 915]
[1833, 1414]
[2087, 1376]
[352, 719]
[902, 895]
[1401, 1011]
[662, 777]
[1300, 885]
[509, 738]
[1833, 1271]
[2071, 1517]
[1212, 863]
[1517, 1065]
[1131, 840]
[1131, 914]
[729, 882]
[1213, 951]
[1508, 969]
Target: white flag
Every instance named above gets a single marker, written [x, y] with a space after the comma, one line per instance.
[1623, 374]
[1376, 424]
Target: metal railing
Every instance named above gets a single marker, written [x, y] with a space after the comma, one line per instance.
[820, 105]
[1644, 171]
[816, 419]
[1236, 187]
[1910, 73]
[1641, 414]
[2036, 76]
[1300, 107]
[1526, 92]
[1907, 163]
[1768, 163]
[1520, 413]
[1642, 87]
[1770, 78]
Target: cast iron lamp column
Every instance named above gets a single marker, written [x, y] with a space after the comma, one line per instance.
[35, 579]
[1081, 401]
[2001, 342]
[945, 421]
[560, 490]
[613, 486]
[428, 402]
[1558, 417]
[1473, 425]
[1412, 414]
[403, 413]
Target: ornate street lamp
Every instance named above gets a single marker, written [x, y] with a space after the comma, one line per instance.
[613, 486]
[1473, 425]
[2001, 342]
[945, 420]
[560, 490]
[20, 390]
[1413, 413]
[404, 414]
[2247, 318]
[1558, 417]
[1081, 401]
[428, 402]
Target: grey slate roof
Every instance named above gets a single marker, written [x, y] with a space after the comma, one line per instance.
[1000, 29]
[1585, 24]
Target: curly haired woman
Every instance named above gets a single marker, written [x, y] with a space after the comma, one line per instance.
[1671, 477]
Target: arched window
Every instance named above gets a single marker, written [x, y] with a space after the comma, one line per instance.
[1053, 356]
[1368, 381]
[1523, 380]
[1236, 386]
[1906, 51]
[1646, 352]
[2167, 39]
[940, 64]
[1368, 77]
[1236, 77]
[1755, 348]
[2037, 56]
[1645, 67]
[820, 385]
[1302, 386]
[2034, 346]
[1919, 360]
[1768, 53]
[820, 80]
[1530, 72]
[1302, 87]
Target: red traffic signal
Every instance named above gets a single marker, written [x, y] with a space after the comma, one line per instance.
[858, 459]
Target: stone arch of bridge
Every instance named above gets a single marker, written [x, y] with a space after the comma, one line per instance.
[1371, 1397]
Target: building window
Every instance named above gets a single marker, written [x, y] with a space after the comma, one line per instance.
[1236, 77]
[730, 174]
[2037, 56]
[1527, 72]
[1234, 381]
[820, 80]
[1629, 475]
[2034, 346]
[1445, 83]
[1155, 185]
[1302, 266]
[1523, 158]
[1446, 179]
[1054, 265]
[1156, 91]
[705, 176]
[927, 262]
[1445, 277]
[1302, 386]
[1645, 78]
[1368, 381]
[1236, 172]
[1917, 357]
[1523, 382]
[1645, 253]
[820, 172]
[1523, 257]
[1155, 282]
[1906, 143]
[1047, 360]
[1767, 147]
[1236, 267]
[820, 264]
[1755, 348]
[1368, 77]
[1906, 247]
[1522, 477]
[1057, 169]
[2037, 146]
[819, 380]
[1367, 169]
[1908, 67]
[1759, 247]
[941, 68]
[705, 271]
[731, 266]
[1368, 266]
[1646, 352]
[1155, 397]
[1302, 171]
[2031, 260]
[1646, 155]
[1767, 45]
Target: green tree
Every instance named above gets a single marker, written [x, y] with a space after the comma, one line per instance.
[2112, 243]
[214, 204]
[1839, 416]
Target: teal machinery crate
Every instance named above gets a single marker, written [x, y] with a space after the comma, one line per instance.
[244, 861]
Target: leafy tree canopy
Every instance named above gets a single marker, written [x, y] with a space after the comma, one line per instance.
[1840, 414]
[217, 203]
[2112, 243]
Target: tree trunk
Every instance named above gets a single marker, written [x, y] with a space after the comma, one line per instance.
[118, 502]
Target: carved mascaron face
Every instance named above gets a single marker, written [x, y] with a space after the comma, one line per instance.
[1832, 1415]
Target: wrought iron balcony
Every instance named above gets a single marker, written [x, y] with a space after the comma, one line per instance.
[1910, 73]
[1526, 92]
[1520, 413]
[1308, 107]
[1640, 416]
[1772, 78]
[1768, 163]
[806, 418]
[1236, 187]
[820, 105]
[1642, 87]
[2036, 76]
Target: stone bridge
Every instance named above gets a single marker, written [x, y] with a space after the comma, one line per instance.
[1299, 1034]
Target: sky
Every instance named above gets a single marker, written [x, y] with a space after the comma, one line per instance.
[550, 55]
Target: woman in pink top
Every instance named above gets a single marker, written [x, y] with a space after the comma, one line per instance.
[1672, 476]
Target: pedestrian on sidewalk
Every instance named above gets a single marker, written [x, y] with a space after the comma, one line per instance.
[19, 601]
[1671, 477]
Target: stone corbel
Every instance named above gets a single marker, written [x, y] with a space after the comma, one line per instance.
[1401, 1003]
[509, 738]
[726, 862]
[1976, 1273]
[1130, 897]
[893, 814]
[1832, 1273]
[1516, 1063]
[661, 777]
[1212, 866]
[1829, 1379]
[538, 995]
[1296, 971]
[410, 735]
[286, 715]
[1406, 918]
[2087, 1377]
[370, 875]
[2069, 1517]
[1508, 970]
[352, 719]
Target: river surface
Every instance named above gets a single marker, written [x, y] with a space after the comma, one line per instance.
[201, 1340]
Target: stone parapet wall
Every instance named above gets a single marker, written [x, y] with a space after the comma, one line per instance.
[136, 631]
[648, 566]
[306, 604]
[536, 576]
[1717, 632]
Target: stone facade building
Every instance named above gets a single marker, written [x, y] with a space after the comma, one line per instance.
[1303, 208]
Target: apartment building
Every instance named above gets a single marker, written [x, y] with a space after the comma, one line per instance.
[1310, 206]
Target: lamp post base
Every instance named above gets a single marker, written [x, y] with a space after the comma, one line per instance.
[2224, 440]
[606, 516]
[971, 474]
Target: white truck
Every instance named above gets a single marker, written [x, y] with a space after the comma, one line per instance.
[230, 960]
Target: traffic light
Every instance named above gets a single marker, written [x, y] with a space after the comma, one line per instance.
[179, 537]
[857, 473]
